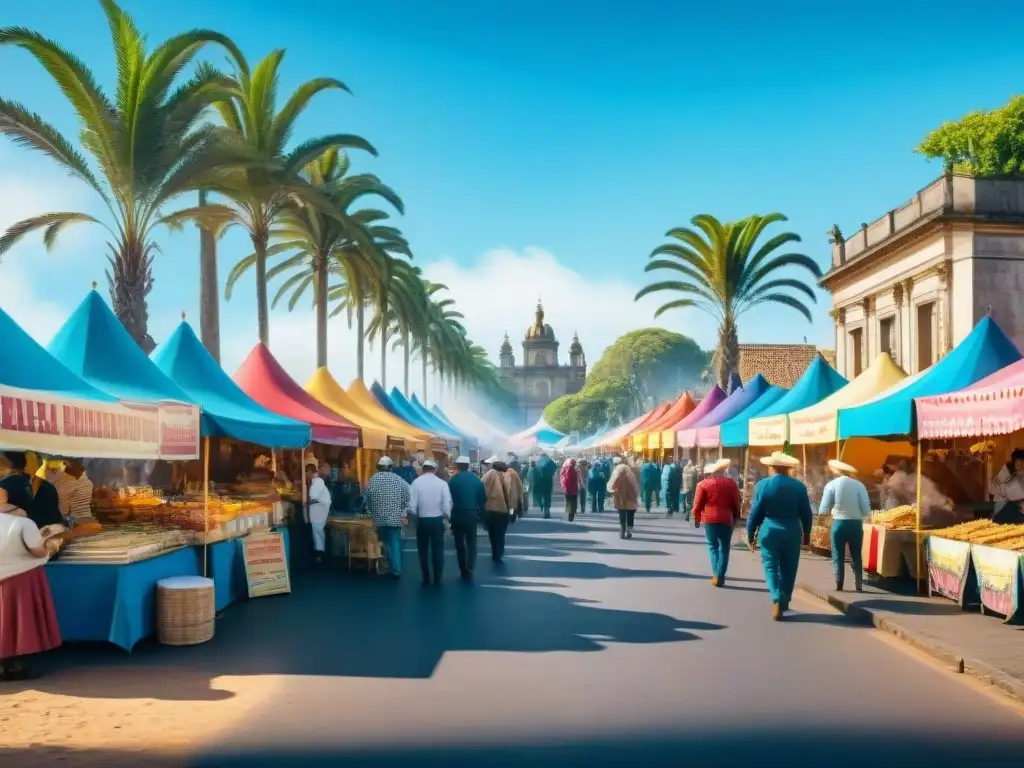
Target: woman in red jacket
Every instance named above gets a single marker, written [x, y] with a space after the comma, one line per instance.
[717, 505]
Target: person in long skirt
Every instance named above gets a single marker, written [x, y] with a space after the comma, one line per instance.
[716, 503]
[28, 620]
[846, 499]
[780, 519]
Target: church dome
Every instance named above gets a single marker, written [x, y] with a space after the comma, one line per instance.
[576, 348]
[506, 347]
[539, 331]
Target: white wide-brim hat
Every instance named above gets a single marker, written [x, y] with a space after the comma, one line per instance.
[717, 466]
[841, 467]
[780, 459]
[385, 461]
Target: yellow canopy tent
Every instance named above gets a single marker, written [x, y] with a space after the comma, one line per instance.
[325, 388]
[818, 424]
[367, 404]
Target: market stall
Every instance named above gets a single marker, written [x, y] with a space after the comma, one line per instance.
[653, 430]
[632, 439]
[104, 585]
[979, 560]
[229, 414]
[686, 435]
[891, 416]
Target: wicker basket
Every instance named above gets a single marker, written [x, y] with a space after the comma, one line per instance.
[185, 610]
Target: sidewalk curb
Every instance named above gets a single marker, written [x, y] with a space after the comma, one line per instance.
[954, 659]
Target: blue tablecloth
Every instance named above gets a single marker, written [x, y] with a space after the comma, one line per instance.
[113, 603]
[227, 569]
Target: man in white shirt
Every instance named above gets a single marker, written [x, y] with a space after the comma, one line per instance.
[319, 505]
[431, 503]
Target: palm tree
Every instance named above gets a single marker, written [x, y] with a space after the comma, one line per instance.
[437, 336]
[395, 306]
[147, 145]
[319, 240]
[262, 197]
[724, 273]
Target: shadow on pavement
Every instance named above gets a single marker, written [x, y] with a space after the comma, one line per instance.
[367, 627]
[791, 746]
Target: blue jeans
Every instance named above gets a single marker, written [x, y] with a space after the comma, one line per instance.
[780, 556]
[847, 533]
[391, 537]
[719, 539]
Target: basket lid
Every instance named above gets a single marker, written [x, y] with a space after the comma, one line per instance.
[185, 582]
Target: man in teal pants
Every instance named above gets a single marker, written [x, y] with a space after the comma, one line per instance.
[780, 519]
[650, 483]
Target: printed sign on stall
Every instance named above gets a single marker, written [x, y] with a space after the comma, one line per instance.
[266, 565]
[998, 578]
[51, 424]
[948, 566]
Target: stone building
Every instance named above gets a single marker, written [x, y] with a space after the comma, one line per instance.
[541, 378]
[914, 282]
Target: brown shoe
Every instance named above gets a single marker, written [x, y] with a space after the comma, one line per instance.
[776, 612]
[714, 581]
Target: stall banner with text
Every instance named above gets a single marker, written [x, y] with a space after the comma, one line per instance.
[769, 430]
[50, 424]
[998, 578]
[266, 565]
[948, 566]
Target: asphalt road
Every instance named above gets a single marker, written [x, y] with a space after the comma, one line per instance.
[581, 649]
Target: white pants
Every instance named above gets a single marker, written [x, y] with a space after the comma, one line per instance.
[317, 523]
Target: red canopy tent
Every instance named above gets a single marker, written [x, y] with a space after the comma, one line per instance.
[266, 382]
[679, 410]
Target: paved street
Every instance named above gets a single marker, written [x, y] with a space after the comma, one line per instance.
[582, 649]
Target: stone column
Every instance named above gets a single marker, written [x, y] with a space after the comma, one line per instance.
[839, 318]
[896, 343]
[907, 348]
[944, 319]
[869, 326]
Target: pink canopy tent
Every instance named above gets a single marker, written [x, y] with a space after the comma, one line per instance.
[686, 434]
[992, 406]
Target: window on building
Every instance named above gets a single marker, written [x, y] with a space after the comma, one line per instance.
[925, 335]
[856, 351]
[887, 336]
[540, 359]
[542, 389]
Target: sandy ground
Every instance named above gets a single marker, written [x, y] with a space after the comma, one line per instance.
[580, 637]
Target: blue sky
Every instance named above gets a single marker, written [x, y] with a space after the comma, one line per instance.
[545, 147]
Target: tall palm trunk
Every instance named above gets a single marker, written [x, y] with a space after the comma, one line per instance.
[360, 337]
[259, 247]
[405, 360]
[384, 357]
[129, 280]
[320, 288]
[209, 299]
[728, 352]
[423, 354]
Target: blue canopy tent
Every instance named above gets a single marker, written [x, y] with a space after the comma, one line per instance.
[440, 415]
[400, 408]
[985, 350]
[227, 410]
[32, 367]
[438, 426]
[95, 346]
[734, 433]
[817, 382]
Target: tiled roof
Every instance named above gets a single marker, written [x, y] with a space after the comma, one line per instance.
[781, 364]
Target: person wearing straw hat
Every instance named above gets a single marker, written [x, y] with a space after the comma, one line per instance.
[497, 505]
[716, 503]
[846, 499]
[387, 498]
[431, 502]
[780, 520]
[468, 502]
